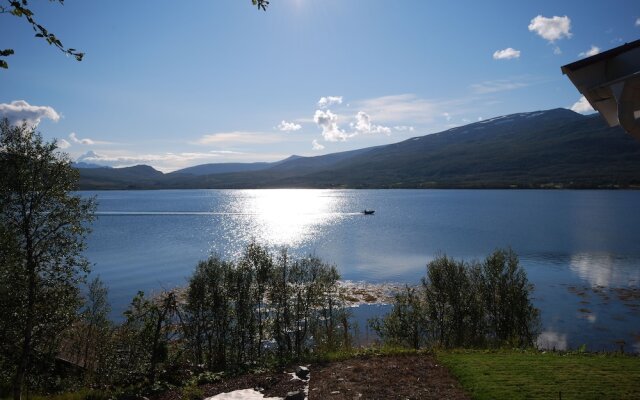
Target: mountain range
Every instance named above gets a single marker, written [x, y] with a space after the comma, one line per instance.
[555, 148]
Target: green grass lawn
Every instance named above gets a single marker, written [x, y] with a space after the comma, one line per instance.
[536, 375]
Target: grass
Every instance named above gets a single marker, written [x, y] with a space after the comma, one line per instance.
[514, 374]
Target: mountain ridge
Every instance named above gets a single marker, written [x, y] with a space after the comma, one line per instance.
[550, 148]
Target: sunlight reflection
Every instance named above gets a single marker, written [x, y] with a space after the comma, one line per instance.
[552, 340]
[602, 270]
[288, 217]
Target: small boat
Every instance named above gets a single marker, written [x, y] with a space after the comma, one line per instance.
[368, 212]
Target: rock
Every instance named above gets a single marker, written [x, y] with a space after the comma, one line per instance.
[302, 372]
[297, 395]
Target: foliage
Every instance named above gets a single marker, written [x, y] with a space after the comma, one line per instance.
[405, 325]
[510, 316]
[42, 232]
[191, 392]
[89, 340]
[262, 309]
[464, 305]
[517, 374]
[261, 4]
[257, 311]
[141, 343]
[19, 8]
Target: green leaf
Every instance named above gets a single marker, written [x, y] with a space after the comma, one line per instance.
[3, 64]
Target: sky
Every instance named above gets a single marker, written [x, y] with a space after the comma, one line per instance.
[175, 84]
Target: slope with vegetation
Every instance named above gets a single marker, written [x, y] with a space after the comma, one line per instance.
[553, 148]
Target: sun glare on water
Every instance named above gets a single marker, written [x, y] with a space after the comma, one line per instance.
[287, 217]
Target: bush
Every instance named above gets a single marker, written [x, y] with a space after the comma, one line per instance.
[464, 305]
[262, 309]
[191, 392]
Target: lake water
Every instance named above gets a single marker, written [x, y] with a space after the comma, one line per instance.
[581, 249]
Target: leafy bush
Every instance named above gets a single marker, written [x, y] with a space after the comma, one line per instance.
[262, 309]
[191, 392]
[464, 305]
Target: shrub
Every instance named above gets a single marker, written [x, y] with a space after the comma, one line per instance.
[464, 305]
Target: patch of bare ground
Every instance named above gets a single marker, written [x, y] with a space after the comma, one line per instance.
[411, 376]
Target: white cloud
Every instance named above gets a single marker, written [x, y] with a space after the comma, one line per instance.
[551, 29]
[401, 108]
[638, 22]
[325, 102]
[74, 139]
[86, 141]
[63, 144]
[557, 51]
[19, 110]
[591, 52]
[328, 121]
[506, 54]
[238, 137]
[363, 125]
[447, 116]
[582, 106]
[289, 126]
[499, 85]
[316, 146]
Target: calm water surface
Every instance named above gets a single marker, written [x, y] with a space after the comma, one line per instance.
[581, 249]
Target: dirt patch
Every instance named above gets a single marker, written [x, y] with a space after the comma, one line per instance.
[408, 376]
[384, 377]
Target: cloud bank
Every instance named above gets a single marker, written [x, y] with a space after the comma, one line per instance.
[401, 108]
[499, 85]
[19, 110]
[238, 137]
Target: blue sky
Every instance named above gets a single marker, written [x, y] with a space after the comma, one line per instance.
[174, 84]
